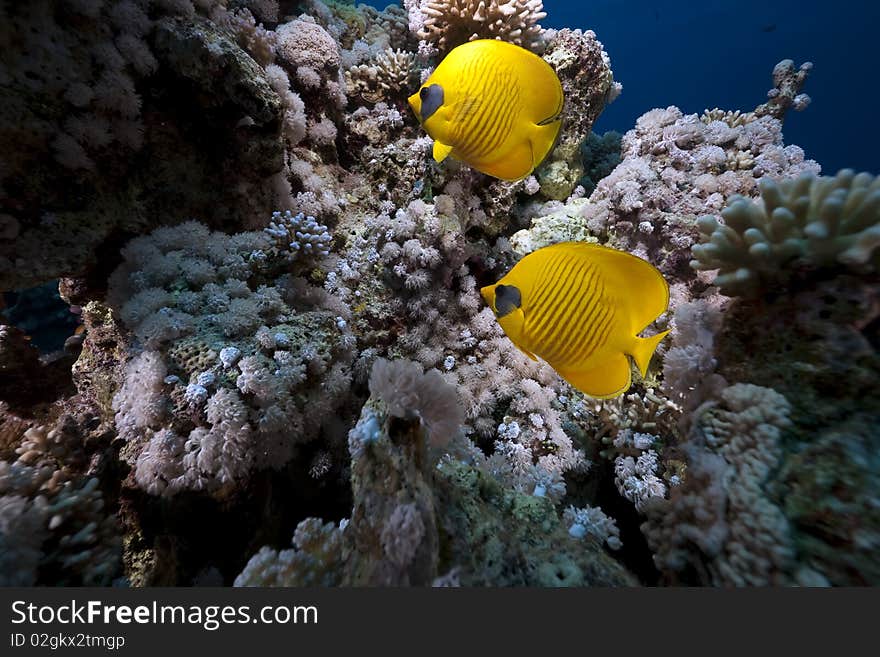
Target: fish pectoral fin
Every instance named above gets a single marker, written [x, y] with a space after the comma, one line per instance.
[543, 138]
[550, 119]
[610, 379]
[441, 151]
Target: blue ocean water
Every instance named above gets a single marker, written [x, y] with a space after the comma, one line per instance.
[718, 53]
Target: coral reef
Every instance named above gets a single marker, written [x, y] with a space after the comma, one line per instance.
[723, 513]
[674, 168]
[97, 111]
[390, 72]
[806, 222]
[229, 344]
[55, 524]
[405, 509]
[584, 69]
[271, 364]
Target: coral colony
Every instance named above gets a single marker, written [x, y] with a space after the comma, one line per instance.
[283, 372]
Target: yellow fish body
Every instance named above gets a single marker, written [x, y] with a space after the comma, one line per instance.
[580, 306]
[494, 106]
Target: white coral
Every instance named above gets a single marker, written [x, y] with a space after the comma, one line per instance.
[637, 480]
[819, 221]
[140, 403]
[592, 521]
[449, 23]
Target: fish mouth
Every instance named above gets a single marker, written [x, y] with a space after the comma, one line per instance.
[413, 103]
[488, 293]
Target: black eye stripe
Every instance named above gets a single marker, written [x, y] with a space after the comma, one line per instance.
[507, 299]
[432, 99]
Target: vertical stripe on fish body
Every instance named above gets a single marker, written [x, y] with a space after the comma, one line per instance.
[580, 306]
[494, 106]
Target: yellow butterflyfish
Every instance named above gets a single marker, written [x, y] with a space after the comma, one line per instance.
[494, 106]
[580, 306]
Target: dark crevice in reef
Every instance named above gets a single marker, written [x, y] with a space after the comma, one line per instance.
[871, 331]
[35, 367]
[191, 533]
[42, 314]
[634, 554]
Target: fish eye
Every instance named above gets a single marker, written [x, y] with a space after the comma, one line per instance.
[507, 299]
[432, 99]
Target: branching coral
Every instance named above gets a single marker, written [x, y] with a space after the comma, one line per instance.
[53, 520]
[650, 413]
[593, 522]
[806, 222]
[449, 23]
[316, 559]
[299, 234]
[389, 75]
[58, 448]
[733, 118]
[786, 93]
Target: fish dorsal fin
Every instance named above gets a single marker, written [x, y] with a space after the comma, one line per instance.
[634, 283]
[441, 151]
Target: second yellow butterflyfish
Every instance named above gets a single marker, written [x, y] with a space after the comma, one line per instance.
[493, 105]
[580, 307]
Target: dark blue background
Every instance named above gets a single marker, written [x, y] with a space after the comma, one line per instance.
[700, 54]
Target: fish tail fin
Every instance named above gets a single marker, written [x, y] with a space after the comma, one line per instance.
[644, 349]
